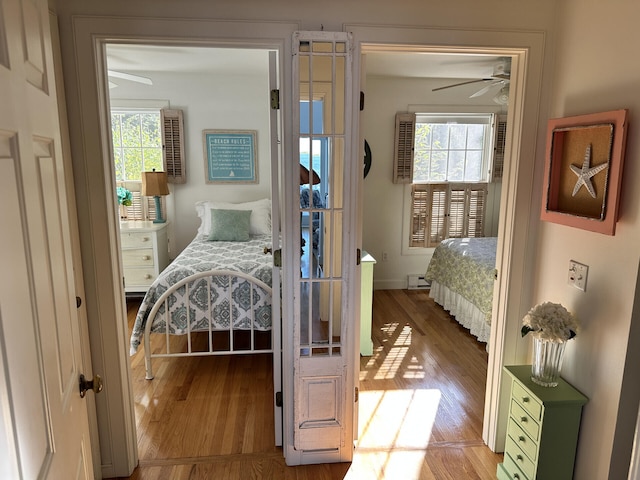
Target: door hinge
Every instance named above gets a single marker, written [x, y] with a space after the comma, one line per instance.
[358, 256]
[278, 399]
[357, 395]
[361, 101]
[275, 99]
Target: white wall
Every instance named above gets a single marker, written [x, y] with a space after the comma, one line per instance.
[383, 199]
[220, 101]
[595, 71]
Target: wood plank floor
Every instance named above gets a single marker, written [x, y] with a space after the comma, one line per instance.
[421, 406]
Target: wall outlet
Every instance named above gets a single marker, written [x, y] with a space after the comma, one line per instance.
[578, 275]
[384, 256]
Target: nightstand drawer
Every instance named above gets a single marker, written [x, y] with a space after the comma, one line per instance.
[138, 276]
[513, 454]
[529, 446]
[511, 469]
[524, 420]
[529, 403]
[137, 240]
[141, 257]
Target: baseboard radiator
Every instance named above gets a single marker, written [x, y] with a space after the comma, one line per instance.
[417, 282]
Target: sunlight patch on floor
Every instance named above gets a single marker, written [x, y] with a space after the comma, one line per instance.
[394, 431]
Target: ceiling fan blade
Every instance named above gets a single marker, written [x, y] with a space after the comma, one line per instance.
[485, 89]
[462, 83]
[130, 77]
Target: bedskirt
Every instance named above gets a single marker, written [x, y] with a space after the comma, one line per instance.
[466, 313]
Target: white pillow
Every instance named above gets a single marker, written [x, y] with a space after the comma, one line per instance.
[259, 223]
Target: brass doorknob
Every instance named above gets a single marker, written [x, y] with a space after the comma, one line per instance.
[266, 250]
[95, 384]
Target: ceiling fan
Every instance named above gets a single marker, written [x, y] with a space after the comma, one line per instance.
[500, 77]
[127, 76]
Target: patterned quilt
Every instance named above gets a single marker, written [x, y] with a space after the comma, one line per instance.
[199, 256]
[467, 267]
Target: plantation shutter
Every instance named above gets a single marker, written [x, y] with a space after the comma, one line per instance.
[141, 208]
[477, 201]
[420, 203]
[173, 145]
[499, 148]
[403, 149]
[446, 210]
[439, 209]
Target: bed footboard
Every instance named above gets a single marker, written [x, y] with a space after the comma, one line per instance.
[218, 331]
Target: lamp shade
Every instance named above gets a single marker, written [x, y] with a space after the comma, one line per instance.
[154, 183]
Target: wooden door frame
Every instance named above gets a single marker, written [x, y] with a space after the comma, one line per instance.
[516, 234]
[99, 233]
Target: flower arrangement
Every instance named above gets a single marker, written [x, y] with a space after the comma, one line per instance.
[124, 196]
[550, 321]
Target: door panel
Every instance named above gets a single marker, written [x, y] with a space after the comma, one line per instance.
[45, 420]
[323, 333]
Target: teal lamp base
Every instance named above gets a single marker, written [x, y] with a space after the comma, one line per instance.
[159, 217]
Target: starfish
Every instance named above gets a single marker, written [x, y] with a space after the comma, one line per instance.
[585, 173]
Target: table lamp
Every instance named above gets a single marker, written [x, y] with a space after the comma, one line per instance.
[154, 184]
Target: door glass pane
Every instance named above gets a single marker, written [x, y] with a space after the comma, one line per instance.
[322, 163]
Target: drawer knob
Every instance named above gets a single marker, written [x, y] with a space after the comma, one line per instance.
[146, 257]
[516, 476]
[519, 458]
[523, 419]
[525, 399]
[521, 439]
[147, 277]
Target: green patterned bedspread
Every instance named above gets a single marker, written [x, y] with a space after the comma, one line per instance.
[199, 256]
[467, 267]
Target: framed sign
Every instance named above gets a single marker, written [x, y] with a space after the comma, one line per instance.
[230, 156]
[583, 171]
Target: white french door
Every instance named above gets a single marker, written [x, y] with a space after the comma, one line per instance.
[323, 291]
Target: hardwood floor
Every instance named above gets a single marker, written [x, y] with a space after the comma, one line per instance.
[421, 407]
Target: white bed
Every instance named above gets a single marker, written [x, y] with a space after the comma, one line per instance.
[219, 286]
[462, 275]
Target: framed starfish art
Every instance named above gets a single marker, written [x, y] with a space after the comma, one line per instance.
[583, 171]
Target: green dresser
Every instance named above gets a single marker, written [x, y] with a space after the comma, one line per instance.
[542, 433]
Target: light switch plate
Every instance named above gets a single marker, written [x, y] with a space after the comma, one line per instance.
[578, 275]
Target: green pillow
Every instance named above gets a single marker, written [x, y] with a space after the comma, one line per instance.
[230, 225]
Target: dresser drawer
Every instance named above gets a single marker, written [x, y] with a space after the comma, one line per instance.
[514, 456]
[138, 277]
[529, 446]
[520, 416]
[137, 240]
[141, 257]
[509, 470]
[526, 401]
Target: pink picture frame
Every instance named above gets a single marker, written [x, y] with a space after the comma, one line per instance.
[583, 170]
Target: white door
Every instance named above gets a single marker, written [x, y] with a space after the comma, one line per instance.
[324, 290]
[44, 429]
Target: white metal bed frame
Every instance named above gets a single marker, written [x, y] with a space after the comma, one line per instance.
[255, 283]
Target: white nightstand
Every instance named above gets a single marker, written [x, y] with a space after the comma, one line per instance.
[145, 253]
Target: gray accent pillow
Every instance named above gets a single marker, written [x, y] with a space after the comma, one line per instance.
[230, 225]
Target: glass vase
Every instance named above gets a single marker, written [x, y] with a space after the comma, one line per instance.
[547, 362]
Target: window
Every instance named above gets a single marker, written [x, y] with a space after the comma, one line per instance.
[137, 143]
[446, 159]
[144, 140]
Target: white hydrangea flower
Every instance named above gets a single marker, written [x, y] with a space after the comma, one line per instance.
[550, 321]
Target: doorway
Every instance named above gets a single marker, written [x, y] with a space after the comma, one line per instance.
[406, 62]
[221, 89]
